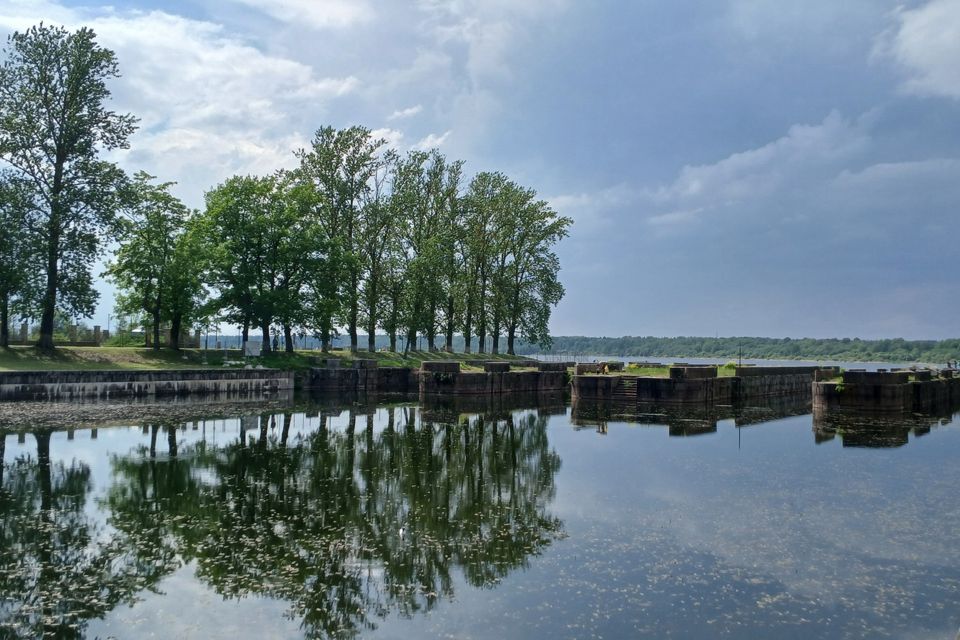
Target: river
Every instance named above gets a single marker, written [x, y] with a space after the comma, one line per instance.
[397, 520]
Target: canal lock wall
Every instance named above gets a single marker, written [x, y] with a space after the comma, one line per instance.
[698, 385]
[888, 392]
[76, 385]
[439, 378]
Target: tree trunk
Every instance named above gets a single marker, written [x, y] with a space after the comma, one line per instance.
[176, 326]
[50, 295]
[287, 337]
[511, 334]
[394, 321]
[432, 328]
[325, 334]
[495, 336]
[155, 314]
[4, 322]
[482, 313]
[468, 326]
[448, 343]
[354, 313]
[53, 254]
[265, 331]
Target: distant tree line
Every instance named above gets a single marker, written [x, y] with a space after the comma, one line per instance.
[852, 349]
[357, 237]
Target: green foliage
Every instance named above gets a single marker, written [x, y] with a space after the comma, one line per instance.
[817, 349]
[155, 268]
[53, 127]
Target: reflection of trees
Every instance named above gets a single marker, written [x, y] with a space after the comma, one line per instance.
[317, 521]
[56, 571]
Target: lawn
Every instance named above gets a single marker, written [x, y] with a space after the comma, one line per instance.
[104, 358]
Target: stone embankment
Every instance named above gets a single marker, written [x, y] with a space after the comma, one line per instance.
[438, 378]
[888, 392]
[77, 385]
[693, 384]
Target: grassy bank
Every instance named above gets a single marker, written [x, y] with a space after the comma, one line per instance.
[107, 358]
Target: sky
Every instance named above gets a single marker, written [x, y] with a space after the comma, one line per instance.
[732, 167]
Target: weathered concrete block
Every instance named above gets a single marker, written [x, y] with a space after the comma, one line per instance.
[496, 367]
[440, 366]
[615, 365]
[333, 363]
[587, 367]
[551, 366]
[364, 364]
[692, 373]
[855, 376]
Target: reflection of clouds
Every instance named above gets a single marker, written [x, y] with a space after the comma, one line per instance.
[820, 539]
[200, 613]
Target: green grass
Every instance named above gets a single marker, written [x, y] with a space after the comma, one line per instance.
[106, 358]
[646, 372]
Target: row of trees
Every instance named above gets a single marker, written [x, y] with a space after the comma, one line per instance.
[356, 238]
[849, 349]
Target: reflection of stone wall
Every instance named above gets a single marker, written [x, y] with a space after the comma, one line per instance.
[870, 430]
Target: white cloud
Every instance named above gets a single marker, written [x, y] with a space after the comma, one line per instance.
[925, 43]
[409, 112]
[432, 141]
[806, 154]
[393, 137]
[591, 212]
[320, 14]
[209, 103]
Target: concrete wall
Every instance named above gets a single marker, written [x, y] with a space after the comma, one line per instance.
[68, 385]
[470, 383]
[694, 385]
[362, 380]
[882, 393]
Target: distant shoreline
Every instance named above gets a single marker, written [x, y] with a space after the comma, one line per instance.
[895, 350]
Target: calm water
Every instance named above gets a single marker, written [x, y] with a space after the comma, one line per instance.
[401, 521]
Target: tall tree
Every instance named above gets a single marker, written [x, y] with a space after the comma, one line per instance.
[377, 229]
[54, 125]
[530, 280]
[484, 204]
[233, 228]
[146, 266]
[341, 164]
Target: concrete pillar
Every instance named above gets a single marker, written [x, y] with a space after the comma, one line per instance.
[24, 329]
[97, 334]
[196, 339]
[72, 333]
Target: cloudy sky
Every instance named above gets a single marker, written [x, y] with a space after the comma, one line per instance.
[733, 167]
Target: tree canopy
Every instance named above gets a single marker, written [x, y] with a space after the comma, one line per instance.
[356, 237]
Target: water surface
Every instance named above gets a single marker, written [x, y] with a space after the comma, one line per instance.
[401, 520]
